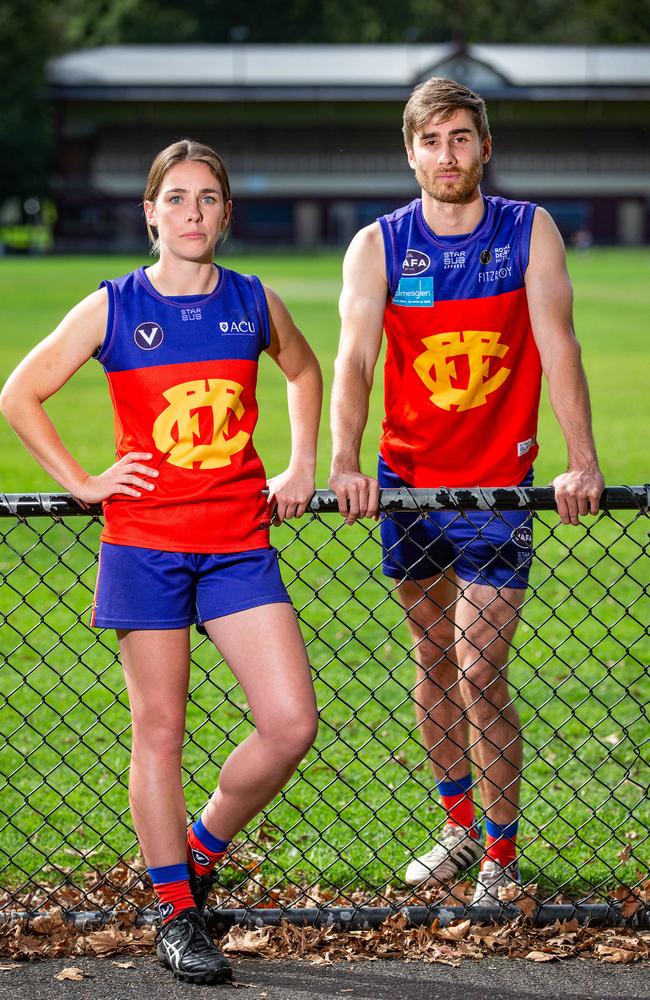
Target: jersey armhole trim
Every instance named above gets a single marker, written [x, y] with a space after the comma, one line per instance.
[262, 309]
[524, 250]
[103, 352]
[389, 254]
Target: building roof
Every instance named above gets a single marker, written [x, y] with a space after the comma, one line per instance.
[347, 72]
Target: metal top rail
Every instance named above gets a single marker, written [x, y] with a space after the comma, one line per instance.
[405, 498]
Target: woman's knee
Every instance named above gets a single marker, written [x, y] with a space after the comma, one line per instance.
[301, 733]
[158, 734]
[291, 735]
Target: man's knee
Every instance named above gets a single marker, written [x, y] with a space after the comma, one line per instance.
[482, 680]
[486, 695]
[433, 644]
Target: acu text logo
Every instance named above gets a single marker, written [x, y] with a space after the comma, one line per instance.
[193, 426]
[456, 367]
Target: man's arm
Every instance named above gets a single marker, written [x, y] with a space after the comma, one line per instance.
[550, 301]
[362, 304]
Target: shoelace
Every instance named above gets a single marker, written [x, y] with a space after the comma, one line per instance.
[194, 924]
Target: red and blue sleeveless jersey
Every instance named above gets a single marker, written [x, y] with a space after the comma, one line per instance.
[182, 374]
[462, 376]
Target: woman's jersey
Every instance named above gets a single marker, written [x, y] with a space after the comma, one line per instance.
[182, 374]
[462, 373]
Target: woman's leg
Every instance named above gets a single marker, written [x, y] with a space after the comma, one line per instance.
[156, 668]
[266, 653]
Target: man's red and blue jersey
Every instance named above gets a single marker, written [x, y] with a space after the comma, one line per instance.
[182, 374]
[462, 373]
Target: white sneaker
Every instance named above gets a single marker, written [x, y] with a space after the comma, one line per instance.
[454, 852]
[494, 876]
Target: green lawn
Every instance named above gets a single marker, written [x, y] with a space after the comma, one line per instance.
[363, 798]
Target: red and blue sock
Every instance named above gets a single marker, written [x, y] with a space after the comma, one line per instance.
[172, 888]
[501, 841]
[458, 803]
[204, 849]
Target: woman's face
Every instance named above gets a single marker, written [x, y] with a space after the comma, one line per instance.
[189, 211]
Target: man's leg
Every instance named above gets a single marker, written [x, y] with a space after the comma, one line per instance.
[486, 620]
[430, 608]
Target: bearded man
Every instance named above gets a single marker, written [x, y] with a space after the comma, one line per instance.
[475, 299]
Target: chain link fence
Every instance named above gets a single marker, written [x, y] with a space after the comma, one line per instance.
[363, 803]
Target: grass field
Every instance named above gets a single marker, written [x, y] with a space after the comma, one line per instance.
[363, 798]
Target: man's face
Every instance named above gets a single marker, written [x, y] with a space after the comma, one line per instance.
[448, 158]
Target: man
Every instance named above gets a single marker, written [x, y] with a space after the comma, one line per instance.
[476, 301]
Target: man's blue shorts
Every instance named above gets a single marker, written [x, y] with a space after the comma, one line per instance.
[141, 588]
[482, 546]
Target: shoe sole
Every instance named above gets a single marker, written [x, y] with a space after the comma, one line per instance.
[201, 978]
[223, 975]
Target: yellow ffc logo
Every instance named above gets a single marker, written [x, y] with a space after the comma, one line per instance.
[456, 367]
[186, 402]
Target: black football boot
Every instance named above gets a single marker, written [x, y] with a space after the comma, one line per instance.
[200, 886]
[185, 947]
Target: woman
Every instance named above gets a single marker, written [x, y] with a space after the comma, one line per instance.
[186, 535]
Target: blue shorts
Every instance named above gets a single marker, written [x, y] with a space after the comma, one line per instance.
[150, 589]
[492, 547]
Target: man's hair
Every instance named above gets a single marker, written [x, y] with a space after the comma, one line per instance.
[439, 98]
[171, 156]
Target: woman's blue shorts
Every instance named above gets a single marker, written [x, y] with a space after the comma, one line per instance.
[141, 588]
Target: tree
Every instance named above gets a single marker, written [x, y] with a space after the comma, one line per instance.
[25, 128]
[103, 22]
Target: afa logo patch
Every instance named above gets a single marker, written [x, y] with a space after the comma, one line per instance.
[148, 336]
[522, 537]
[200, 857]
[166, 910]
[415, 262]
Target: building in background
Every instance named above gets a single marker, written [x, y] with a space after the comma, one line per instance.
[311, 134]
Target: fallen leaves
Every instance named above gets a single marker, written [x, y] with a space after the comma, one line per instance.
[49, 935]
[73, 973]
[630, 900]
[448, 945]
[608, 953]
[456, 932]
[525, 897]
[244, 941]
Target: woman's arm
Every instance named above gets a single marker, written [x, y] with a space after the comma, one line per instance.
[291, 491]
[42, 373]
